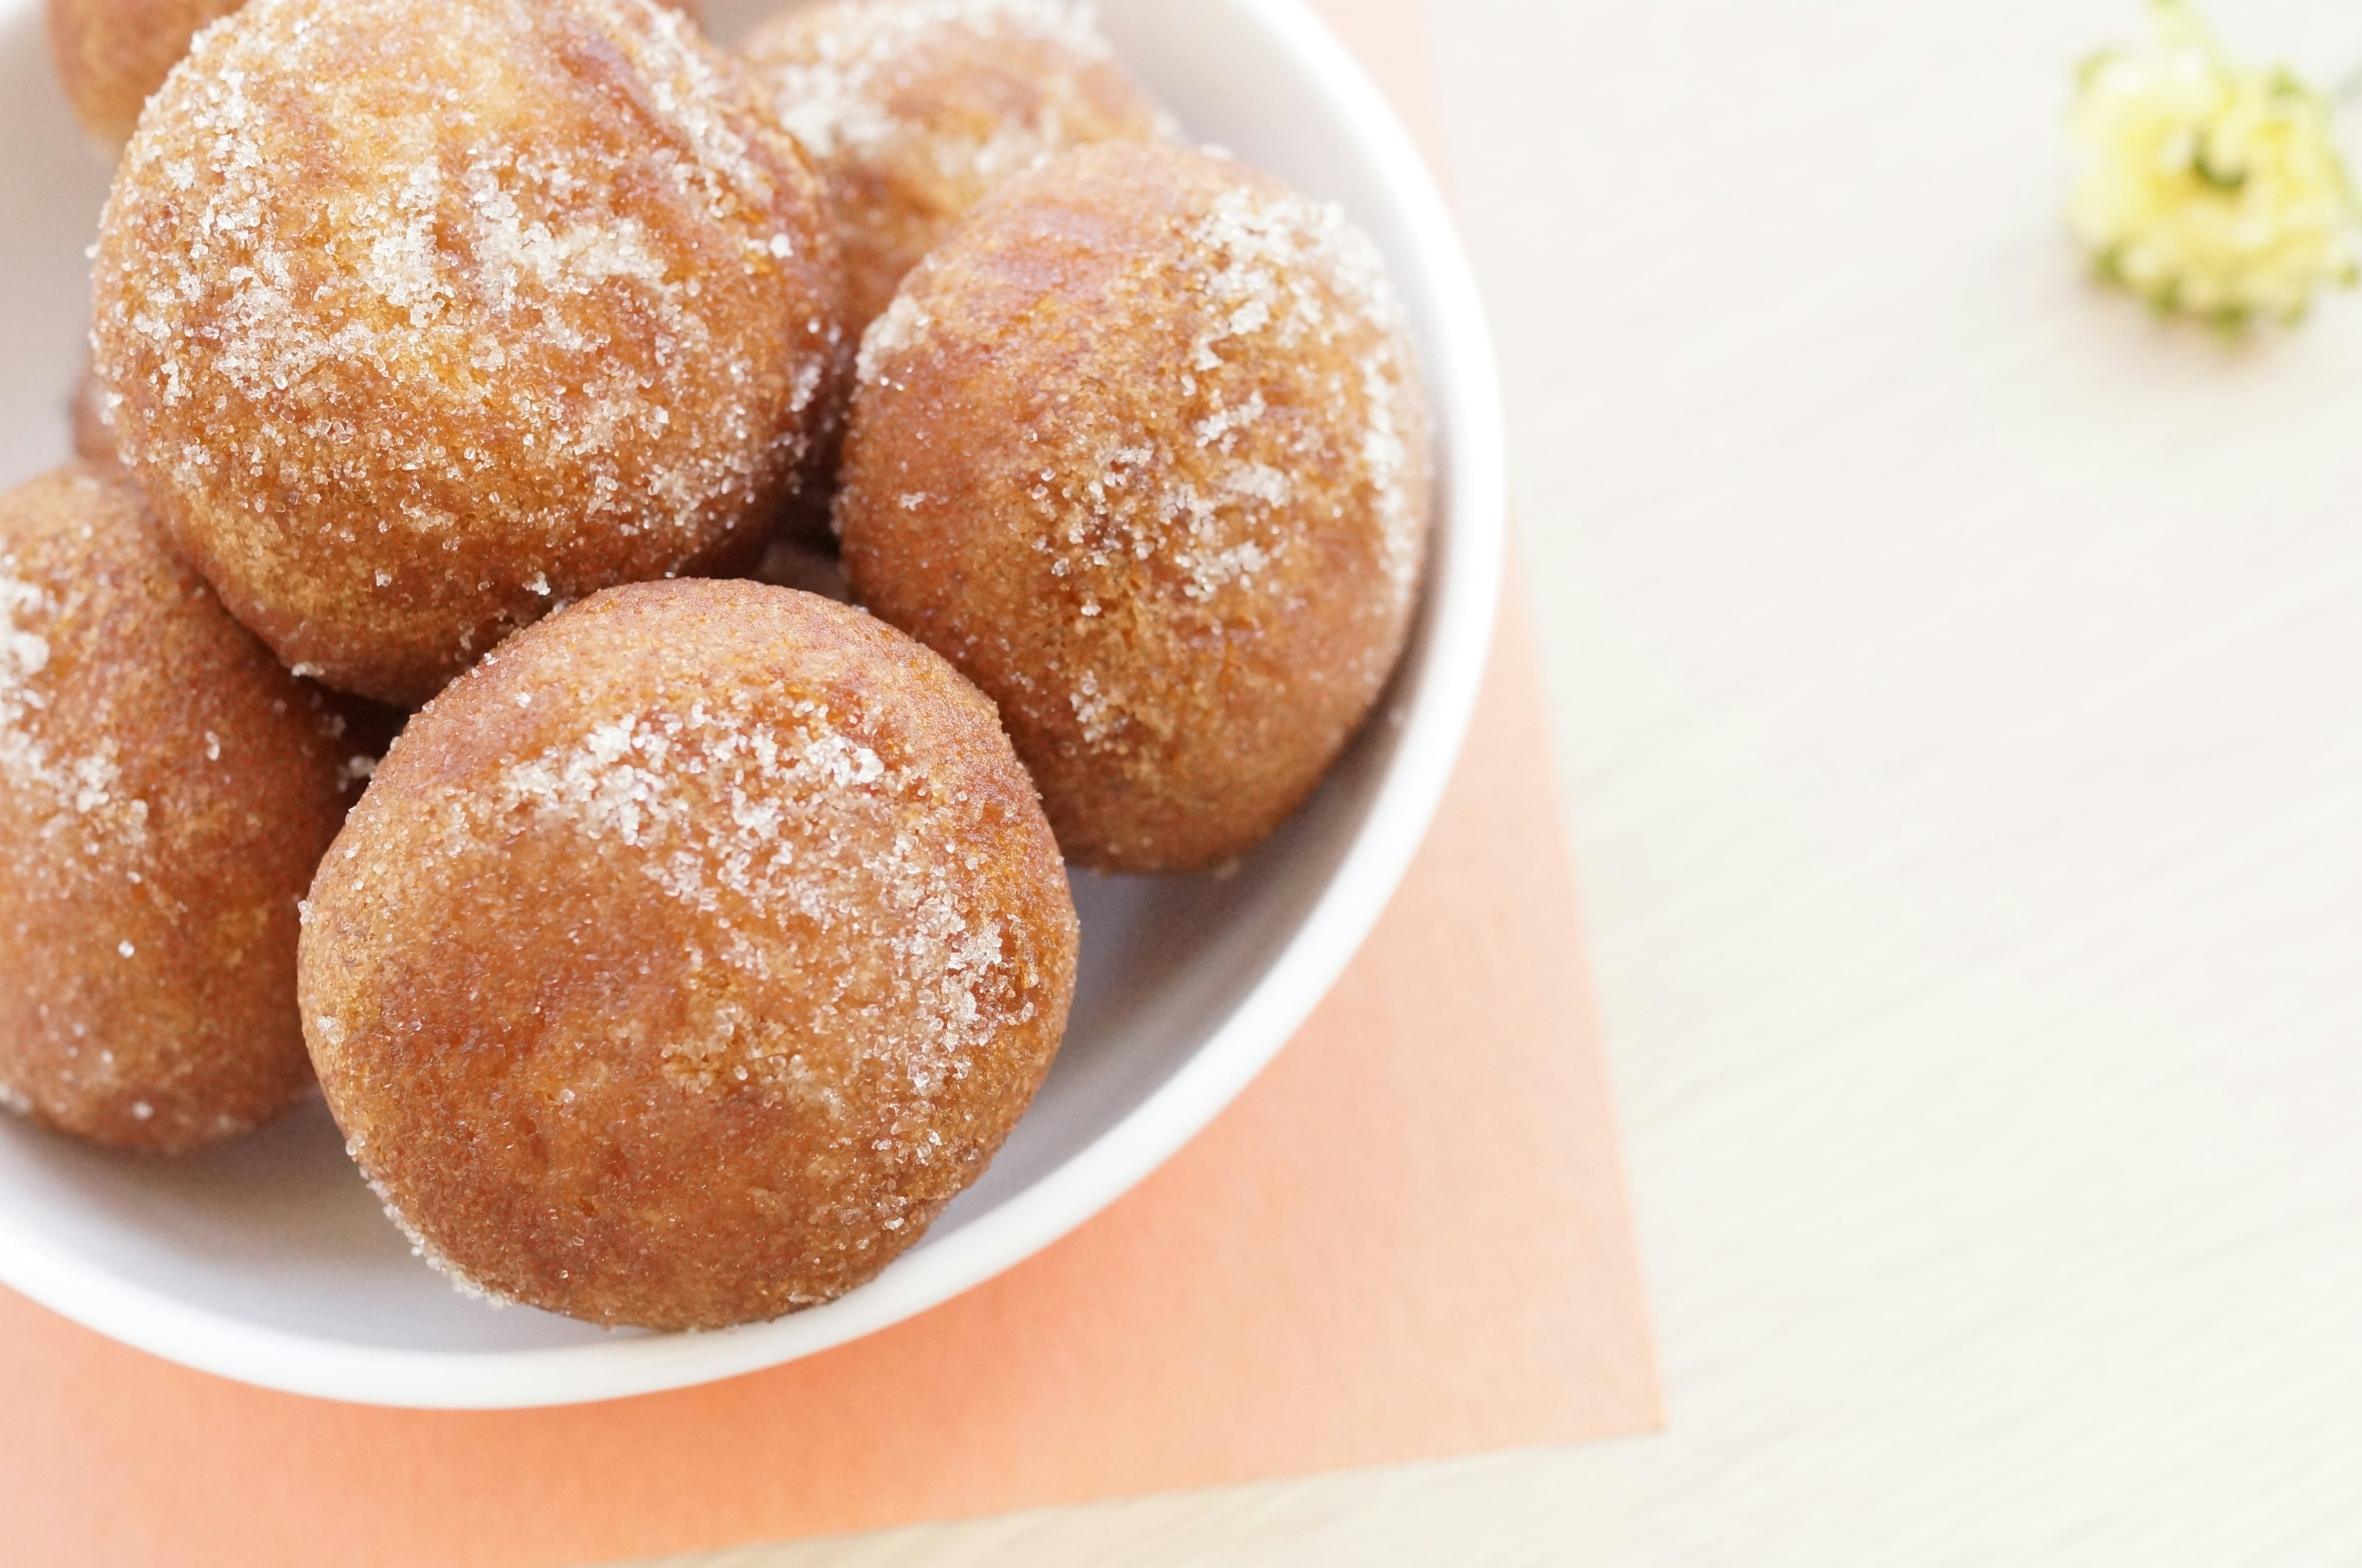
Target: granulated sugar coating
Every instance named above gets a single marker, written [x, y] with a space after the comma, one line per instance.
[687, 956]
[166, 791]
[915, 110]
[1142, 452]
[419, 318]
[112, 54]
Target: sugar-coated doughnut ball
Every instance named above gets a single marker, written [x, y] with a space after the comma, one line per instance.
[111, 54]
[418, 318]
[166, 791]
[1142, 450]
[917, 109]
[687, 956]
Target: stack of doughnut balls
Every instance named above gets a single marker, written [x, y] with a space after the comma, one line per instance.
[509, 373]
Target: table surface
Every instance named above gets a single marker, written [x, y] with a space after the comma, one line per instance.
[1957, 677]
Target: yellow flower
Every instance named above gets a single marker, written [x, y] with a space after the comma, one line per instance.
[2207, 186]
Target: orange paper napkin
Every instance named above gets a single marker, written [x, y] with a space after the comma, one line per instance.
[1408, 1238]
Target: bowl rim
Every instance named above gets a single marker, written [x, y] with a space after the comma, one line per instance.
[1465, 577]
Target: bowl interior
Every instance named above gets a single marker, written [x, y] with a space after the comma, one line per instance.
[269, 1260]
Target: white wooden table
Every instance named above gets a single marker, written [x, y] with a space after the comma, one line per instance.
[1959, 680]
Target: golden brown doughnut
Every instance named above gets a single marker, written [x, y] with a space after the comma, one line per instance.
[166, 790]
[420, 317]
[111, 54]
[1142, 450]
[687, 956]
[915, 110]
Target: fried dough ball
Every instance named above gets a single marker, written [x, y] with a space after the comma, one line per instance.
[420, 317]
[687, 956]
[1142, 450]
[917, 109]
[166, 791]
[111, 54]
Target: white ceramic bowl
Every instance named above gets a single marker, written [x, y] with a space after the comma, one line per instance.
[269, 1260]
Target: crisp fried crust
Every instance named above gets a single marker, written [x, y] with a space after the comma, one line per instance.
[111, 54]
[166, 790]
[687, 956]
[916, 110]
[418, 318]
[1142, 450]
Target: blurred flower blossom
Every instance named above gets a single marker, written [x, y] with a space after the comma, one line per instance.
[2207, 186]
